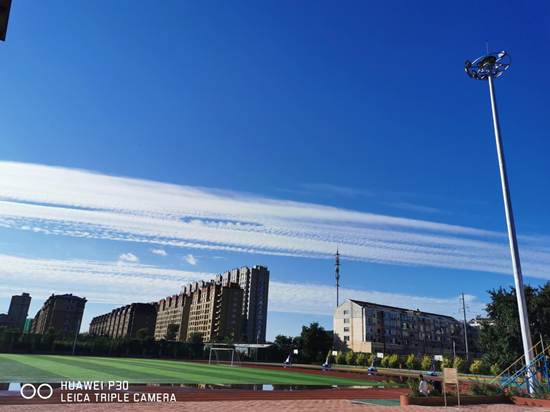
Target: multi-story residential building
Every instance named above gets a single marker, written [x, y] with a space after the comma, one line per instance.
[17, 312]
[255, 285]
[215, 311]
[19, 309]
[173, 310]
[63, 313]
[126, 321]
[370, 328]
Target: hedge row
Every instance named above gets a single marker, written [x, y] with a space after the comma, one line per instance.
[414, 362]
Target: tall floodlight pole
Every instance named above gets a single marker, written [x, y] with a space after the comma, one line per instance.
[490, 67]
[337, 273]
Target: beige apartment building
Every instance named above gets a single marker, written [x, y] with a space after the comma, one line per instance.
[173, 310]
[215, 311]
[370, 328]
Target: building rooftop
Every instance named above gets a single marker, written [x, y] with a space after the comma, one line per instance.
[363, 303]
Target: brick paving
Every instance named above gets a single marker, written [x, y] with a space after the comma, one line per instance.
[258, 405]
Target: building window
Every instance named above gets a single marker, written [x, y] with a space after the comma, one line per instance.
[346, 312]
[346, 320]
[346, 329]
[346, 338]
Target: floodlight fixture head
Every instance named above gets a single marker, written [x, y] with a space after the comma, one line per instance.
[491, 65]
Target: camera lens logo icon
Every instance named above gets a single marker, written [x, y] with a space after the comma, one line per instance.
[43, 391]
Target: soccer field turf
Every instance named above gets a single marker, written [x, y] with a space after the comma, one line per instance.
[54, 368]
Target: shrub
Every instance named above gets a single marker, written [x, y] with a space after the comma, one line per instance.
[384, 362]
[370, 359]
[361, 359]
[479, 367]
[341, 358]
[485, 389]
[350, 357]
[413, 387]
[411, 362]
[447, 362]
[460, 364]
[495, 369]
[426, 362]
[393, 361]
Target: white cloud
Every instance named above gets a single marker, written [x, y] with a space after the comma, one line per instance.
[107, 282]
[159, 252]
[192, 260]
[84, 204]
[128, 257]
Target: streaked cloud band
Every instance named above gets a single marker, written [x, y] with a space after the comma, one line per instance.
[77, 203]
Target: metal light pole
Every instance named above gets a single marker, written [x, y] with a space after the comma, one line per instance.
[490, 67]
[465, 328]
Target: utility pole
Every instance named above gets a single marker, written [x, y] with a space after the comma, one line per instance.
[490, 67]
[465, 328]
[337, 270]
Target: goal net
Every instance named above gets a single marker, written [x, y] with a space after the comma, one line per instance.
[224, 356]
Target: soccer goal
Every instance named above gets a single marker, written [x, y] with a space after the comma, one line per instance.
[224, 356]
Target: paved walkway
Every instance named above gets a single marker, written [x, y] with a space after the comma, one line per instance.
[260, 405]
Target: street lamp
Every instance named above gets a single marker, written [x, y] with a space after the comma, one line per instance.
[5, 6]
[490, 67]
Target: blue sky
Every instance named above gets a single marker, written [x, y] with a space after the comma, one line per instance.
[361, 113]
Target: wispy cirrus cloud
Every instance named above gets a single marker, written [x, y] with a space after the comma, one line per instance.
[108, 282]
[334, 190]
[85, 204]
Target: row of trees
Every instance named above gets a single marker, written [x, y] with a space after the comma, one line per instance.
[415, 362]
[13, 340]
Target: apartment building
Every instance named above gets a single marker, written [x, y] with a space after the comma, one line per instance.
[126, 321]
[63, 313]
[255, 285]
[368, 327]
[173, 310]
[215, 311]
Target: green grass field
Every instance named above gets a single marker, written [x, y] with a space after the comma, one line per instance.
[54, 368]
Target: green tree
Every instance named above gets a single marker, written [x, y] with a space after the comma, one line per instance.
[411, 362]
[447, 362]
[384, 361]
[393, 361]
[341, 358]
[143, 334]
[195, 344]
[283, 344]
[350, 357]
[314, 343]
[172, 331]
[500, 336]
[460, 364]
[371, 358]
[426, 363]
[495, 369]
[361, 359]
[479, 366]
